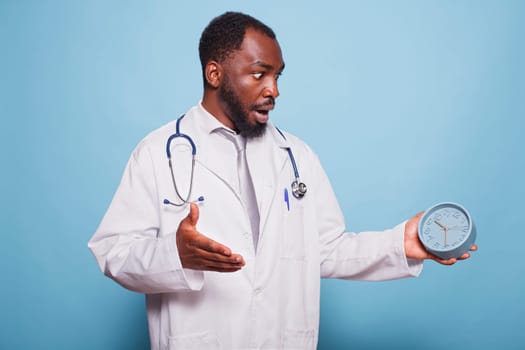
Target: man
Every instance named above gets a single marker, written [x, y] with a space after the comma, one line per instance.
[241, 269]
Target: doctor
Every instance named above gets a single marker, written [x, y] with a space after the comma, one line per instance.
[241, 267]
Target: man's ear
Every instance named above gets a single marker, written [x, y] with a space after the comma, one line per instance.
[213, 73]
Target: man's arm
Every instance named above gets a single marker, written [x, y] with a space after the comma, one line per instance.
[129, 249]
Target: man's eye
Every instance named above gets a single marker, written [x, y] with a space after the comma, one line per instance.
[257, 75]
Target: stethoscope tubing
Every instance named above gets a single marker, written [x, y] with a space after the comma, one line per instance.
[182, 200]
[298, 187]
[178, 134]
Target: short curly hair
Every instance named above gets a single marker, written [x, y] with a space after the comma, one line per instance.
[224, 34]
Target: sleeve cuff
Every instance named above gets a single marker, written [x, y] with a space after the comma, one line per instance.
[192, 279]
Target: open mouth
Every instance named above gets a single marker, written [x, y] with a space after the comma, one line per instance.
[262, 115]
[262, 111]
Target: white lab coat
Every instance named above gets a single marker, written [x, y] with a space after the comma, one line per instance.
[273, 302]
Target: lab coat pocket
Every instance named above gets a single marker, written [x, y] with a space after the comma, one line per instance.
[299, 339]
[293, 234]
[203, 340]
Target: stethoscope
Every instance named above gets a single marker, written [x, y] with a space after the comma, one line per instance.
[298, 187]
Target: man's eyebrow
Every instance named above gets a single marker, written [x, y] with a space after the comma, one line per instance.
[266, 65]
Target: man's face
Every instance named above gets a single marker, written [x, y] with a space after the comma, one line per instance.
[249, 87]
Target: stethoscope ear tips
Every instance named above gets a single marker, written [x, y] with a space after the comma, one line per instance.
[166, 201]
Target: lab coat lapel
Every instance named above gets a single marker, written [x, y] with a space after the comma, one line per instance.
[266, 158]
[218, 167]
[211, 156]
[208, 154]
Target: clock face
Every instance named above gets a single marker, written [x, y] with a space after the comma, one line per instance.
[445, 227]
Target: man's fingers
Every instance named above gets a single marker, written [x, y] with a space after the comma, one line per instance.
[215, 258]
[200, 263]
[193, 215]
[450, 261]
[210, 245]
[200, 259]
[235, 263]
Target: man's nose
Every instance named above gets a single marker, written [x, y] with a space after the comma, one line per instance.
[271, 90]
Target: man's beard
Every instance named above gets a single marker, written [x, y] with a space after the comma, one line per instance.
[238, 115]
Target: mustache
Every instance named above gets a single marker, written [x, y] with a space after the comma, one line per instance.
[270, 102]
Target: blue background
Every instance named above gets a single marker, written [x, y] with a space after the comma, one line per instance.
[407, 103]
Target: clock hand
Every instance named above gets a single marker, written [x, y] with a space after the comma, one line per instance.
[444, 229]
[457, 226]
[441, 225]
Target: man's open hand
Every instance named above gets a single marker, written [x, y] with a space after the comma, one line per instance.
[199, 252]
[415, 250]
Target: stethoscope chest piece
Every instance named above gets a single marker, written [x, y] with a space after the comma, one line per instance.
[298, 189]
